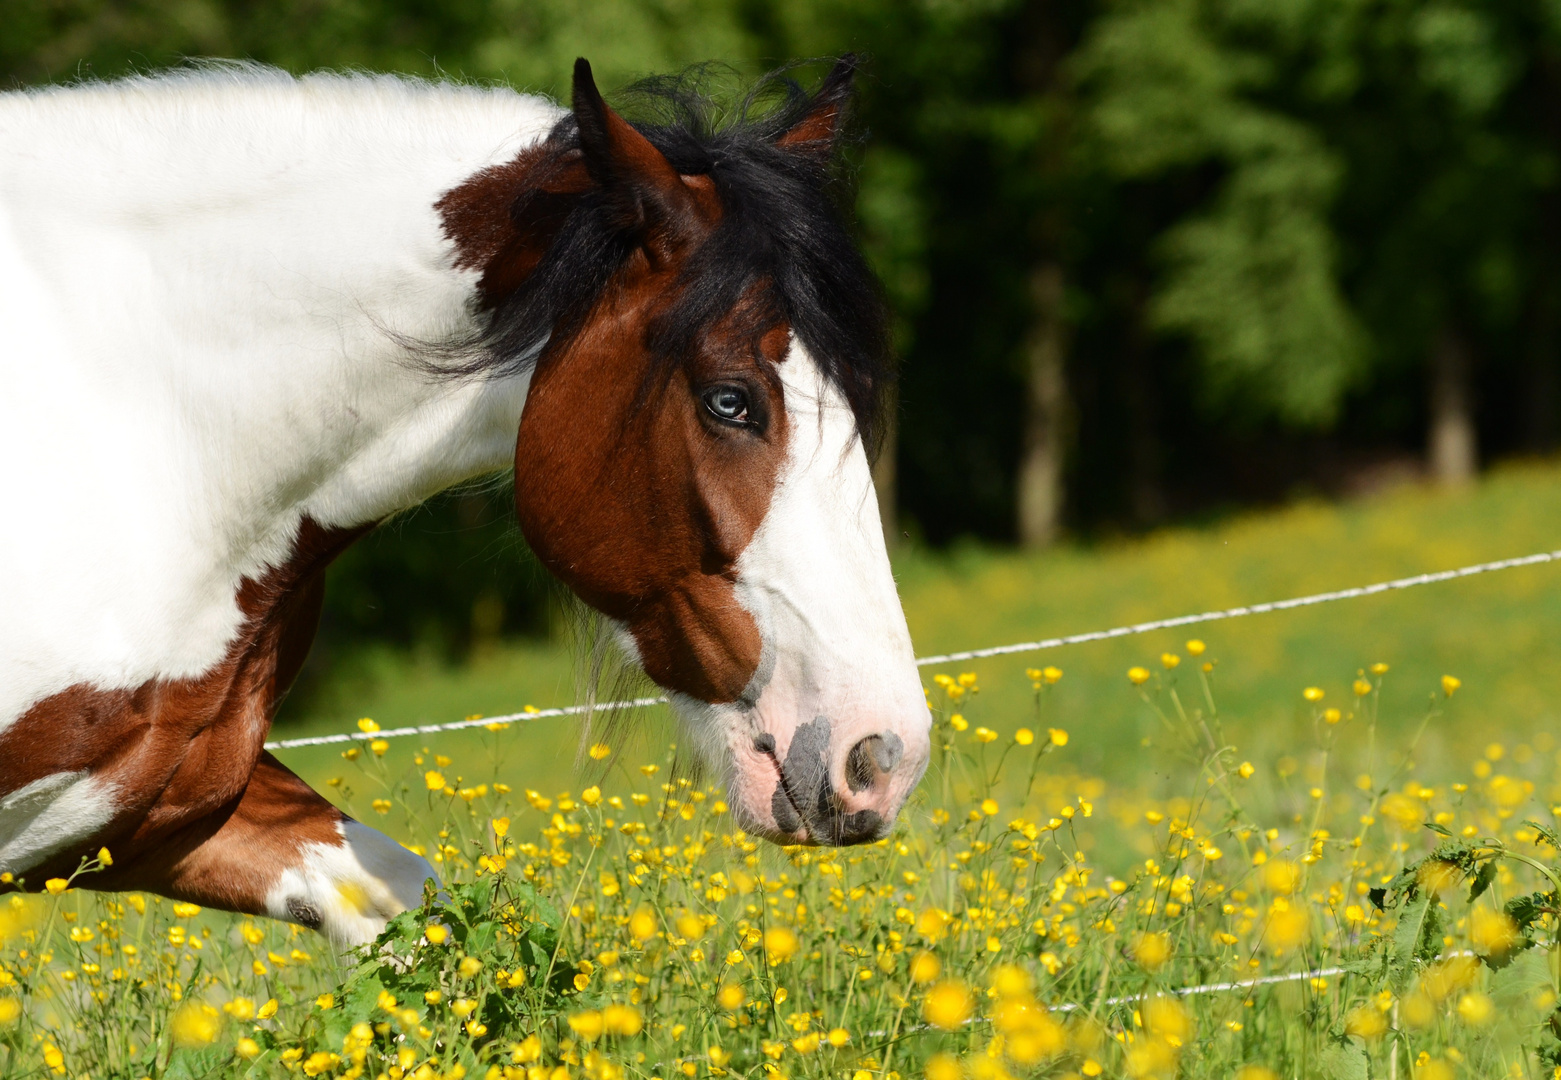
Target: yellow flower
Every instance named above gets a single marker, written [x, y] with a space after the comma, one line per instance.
[381, 806]
[1256, 1072]
[780, 944]
[730, 997]
[948, 1005]
[104, 857]
[1450, 684]
[195, 1023]
[1246, 770]
[1379, 668]
[247, 1048]
[1170, 660]
[266, 1011]
[942, 1067]
[469, 966]
[1196, 647]
[1281, 876]
[599, 751]
[1057, 736]
[436, 934]
[1286, 929]
[501, 827]
[622, 1020]
[1365, 1021]
[1137, 675]
[1361, 687]
[985, 735]
[838, 1037]
[989, 807]
[1492, 932]
[1024, 736]
[1011, 981]
[379, 746]
[10, 1009]
[958, 722]
[689, 926]
[591, 795]
[1151, 951]
[367, 726]
[53, 1058]
[642, 924]
[1051, 674]
[56, 885]
[1475, 1009]
[325, 1001]
[588, 1025]
[925, 967]
[434, 780]
[1164, 1016]
[1313, 694]
[1332, 715]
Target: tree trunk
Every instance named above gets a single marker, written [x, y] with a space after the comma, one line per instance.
[1539, 420]
[1145, 496]
[884, 468]
[1040, 486]
[1452, 449]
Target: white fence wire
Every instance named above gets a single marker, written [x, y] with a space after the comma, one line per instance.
[971, 654]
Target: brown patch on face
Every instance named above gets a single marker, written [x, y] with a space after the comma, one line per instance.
[643, 507]
[183, 753]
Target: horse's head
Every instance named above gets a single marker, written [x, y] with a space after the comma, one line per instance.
[708, 355]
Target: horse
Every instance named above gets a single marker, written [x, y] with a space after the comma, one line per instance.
[246, 316]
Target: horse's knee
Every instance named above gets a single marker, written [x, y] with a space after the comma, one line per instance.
[348, 891]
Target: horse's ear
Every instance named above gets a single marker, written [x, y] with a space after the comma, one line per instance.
[815, 133]
[647, 191]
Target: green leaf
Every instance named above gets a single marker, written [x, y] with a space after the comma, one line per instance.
[1416, 939]
[1440, 830]
[1344, 1061]
[1482, 880]
[1547, 834]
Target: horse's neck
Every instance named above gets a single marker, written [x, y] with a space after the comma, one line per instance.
[206, 286]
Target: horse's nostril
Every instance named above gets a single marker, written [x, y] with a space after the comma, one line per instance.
[888, 751]
[871, 756]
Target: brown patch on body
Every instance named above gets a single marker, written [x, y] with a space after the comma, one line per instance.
[183, 753]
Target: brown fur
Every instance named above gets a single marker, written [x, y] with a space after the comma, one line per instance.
[183, 753]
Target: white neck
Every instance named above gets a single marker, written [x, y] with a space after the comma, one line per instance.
[203, 280]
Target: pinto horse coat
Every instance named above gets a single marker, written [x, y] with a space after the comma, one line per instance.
[244, 317]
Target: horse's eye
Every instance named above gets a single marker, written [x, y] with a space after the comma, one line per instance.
[729, 403]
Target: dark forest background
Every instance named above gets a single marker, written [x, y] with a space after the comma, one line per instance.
[1150, 259]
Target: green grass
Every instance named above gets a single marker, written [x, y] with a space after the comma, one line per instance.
[1501, 634]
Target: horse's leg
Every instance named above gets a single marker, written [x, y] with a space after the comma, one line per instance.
[281, 850]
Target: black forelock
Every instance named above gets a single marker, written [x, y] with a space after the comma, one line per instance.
[782, 239]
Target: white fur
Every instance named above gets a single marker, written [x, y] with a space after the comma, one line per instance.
[49, 815]
[197, 274]
[356, 887]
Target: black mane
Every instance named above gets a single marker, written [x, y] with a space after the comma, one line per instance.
[782, 231]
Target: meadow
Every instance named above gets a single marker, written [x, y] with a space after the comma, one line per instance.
[1336, 825]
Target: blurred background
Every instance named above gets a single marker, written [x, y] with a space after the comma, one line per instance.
[1168, 276]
